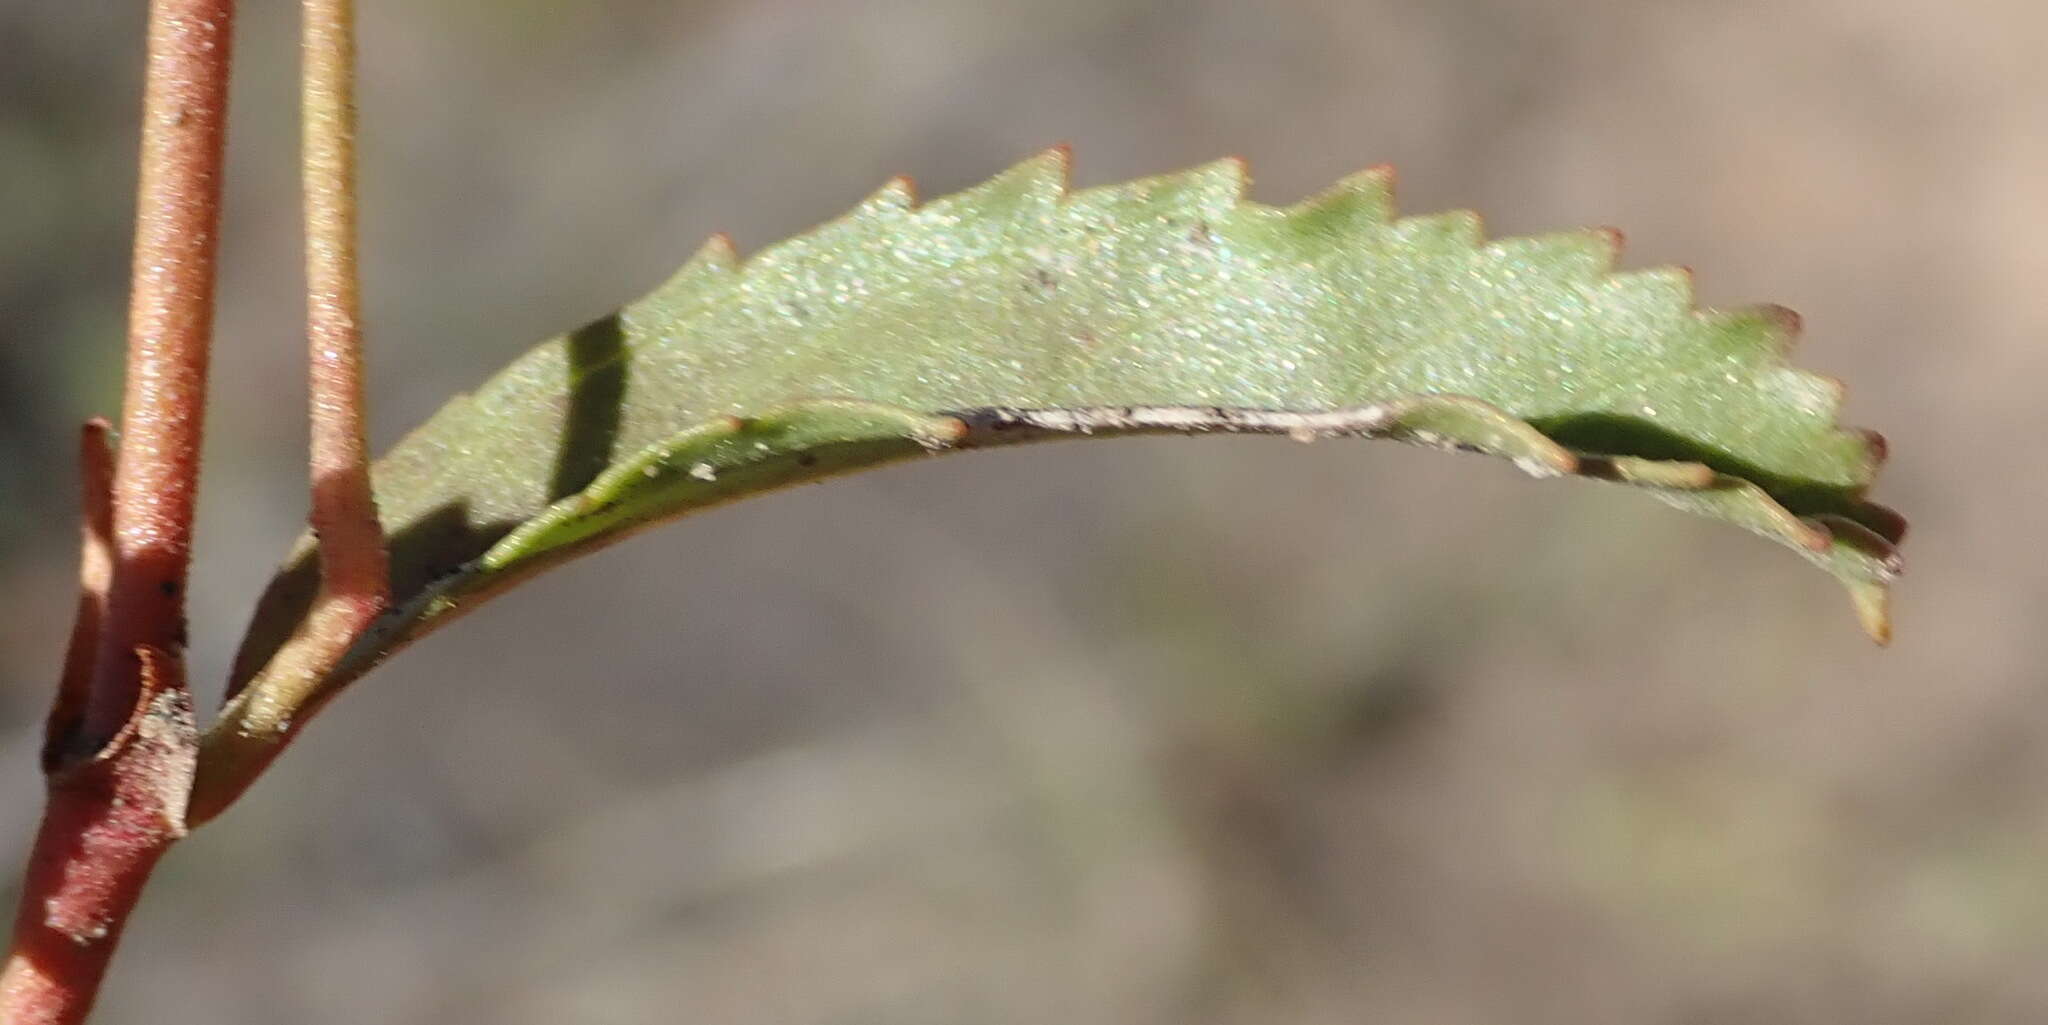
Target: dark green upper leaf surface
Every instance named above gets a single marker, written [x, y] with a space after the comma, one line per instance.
[1171, 293]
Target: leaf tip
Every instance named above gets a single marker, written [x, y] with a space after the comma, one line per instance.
[1873, 603]
[1866, 561]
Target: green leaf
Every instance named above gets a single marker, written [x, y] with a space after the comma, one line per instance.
[1019, 310]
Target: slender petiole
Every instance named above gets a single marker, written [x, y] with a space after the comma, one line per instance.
[354, 567]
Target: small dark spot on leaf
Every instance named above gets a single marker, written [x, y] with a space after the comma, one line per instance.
[807, 459]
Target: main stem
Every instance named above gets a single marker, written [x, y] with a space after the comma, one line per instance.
[170, 325]
[120, 754]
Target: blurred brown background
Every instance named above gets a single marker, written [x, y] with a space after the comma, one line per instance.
[1147, 732]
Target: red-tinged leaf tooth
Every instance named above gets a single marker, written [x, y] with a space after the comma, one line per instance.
[1876, 451]
[1683, 476]
[1362, 199]
[897, 195]
[1784, 326]
[1863, 539]
[1049, 170]
[1055, 163]
[1666, 286]
[1772, 329]
[1041, 183]
[1464, 227]
[1239, 171]
[1787, 320]
[1377, 181]
[717, 253]
[1615, 243]
[1588, 251]
[1472, 424]
[943, 432]
[1833, 389]
[1216, 188]
[1220, 185]
[715, 258]
[1885, 521]
[1812, 533]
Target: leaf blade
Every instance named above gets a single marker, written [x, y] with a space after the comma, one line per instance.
[1020, 296]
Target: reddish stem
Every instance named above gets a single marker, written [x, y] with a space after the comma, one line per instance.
[107, 821]
[170, 322]
[121, 750]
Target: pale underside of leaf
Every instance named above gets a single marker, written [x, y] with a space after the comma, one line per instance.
[1020, 310]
